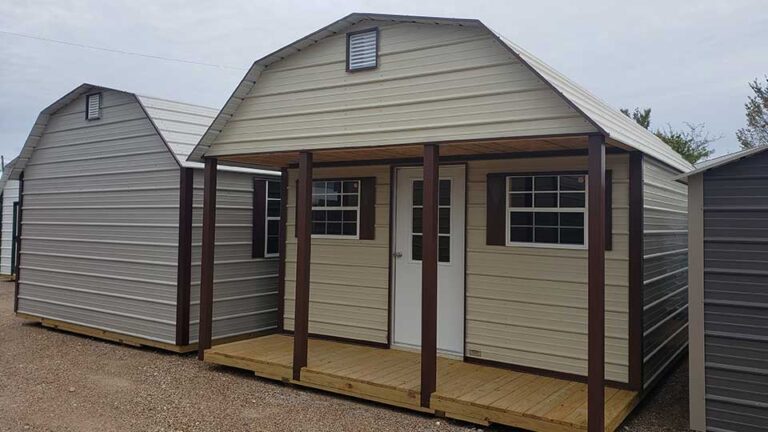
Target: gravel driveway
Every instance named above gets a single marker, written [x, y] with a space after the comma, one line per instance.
[55, 381]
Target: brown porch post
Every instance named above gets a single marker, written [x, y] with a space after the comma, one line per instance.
[429, 274]
[205, 325]
[303, 254]
[596, 282]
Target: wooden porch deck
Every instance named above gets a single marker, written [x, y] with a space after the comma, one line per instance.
[465, 391]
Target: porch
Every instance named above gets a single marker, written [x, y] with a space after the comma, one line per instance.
[470, 392]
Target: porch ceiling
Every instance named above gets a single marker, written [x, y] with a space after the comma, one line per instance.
[414, 151]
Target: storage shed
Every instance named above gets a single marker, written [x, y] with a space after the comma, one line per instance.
[9, 199]
[467, 231]
[110, 224]
[728, 295]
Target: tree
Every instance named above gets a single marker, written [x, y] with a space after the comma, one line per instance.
[692, 144]
[756, 132]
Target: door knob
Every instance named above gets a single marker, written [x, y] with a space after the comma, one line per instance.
[397, 254]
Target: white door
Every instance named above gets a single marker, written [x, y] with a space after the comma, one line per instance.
[406, 331]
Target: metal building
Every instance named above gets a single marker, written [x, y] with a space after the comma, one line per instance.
[9, 198]
[728, 278]
[110, 224]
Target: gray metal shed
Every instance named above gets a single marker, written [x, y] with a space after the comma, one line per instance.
[728, 278]
[110, 224]
[9, 197]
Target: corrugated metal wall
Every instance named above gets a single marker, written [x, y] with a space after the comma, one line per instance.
[100, 237]
[736, 295]
[665, 279]
[10, 196]
[528, 305]
[349, 282]
[434, 82]
[245, 288]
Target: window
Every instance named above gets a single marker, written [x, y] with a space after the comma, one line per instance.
[443, 220]
[336, 208]
[546, 209]
[362, 50]
[93, 106]
[272, 225]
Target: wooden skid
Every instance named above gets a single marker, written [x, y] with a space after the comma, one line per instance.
[468, 392]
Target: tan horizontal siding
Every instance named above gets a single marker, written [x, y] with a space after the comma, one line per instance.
[433, 83]
[528, 305]
[349, 279]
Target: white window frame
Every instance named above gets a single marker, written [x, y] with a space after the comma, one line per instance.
[268, 218]
[356, 208]
[450, 225]
[558, 209]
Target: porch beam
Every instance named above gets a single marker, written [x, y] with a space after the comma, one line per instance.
[205, 327]
[596, 285]
[303, 255]
[429, 274]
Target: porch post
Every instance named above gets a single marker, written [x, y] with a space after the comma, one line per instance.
[206, 263]
[304, 243]
[596, 282]
[429, 274]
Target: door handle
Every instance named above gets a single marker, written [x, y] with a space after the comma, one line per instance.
[397, 254]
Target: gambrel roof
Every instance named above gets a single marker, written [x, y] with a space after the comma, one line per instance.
[179, 125]
[617, 127]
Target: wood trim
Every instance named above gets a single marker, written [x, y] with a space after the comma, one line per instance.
[429, 259]
[259, 218]
[596, 285]
[696, 346]
[462, 158]
[303, 258]
[207, 256]
[282, 250]
[184, 260]
[391, 251]
[608, 210]
[636, 203]
[18, 244]
[378, 49]
[543, 372]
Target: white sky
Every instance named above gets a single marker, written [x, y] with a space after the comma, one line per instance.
[688, 60]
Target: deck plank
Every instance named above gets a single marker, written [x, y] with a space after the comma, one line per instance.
[465, 391]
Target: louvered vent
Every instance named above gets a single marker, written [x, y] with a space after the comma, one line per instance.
[362, 50]
[93, 106]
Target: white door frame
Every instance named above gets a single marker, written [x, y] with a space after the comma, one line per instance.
[458, 254]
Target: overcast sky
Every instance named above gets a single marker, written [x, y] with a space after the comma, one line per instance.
[688, 60]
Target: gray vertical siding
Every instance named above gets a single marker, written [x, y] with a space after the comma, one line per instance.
[665, 278]
[245, 288]
[10, 196]
[101, 222]
[736, 295]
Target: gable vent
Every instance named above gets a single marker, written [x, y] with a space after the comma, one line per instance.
[93, 106]
[362, 50]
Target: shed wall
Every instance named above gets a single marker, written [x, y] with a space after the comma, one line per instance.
[100, 237]
[433, 83]
[10, 196]
[245, 288]
[736, 295]
[665, 268]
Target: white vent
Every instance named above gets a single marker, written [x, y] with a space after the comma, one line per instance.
[93, 106]
[362, 52]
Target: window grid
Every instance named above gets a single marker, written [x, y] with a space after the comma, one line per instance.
[272, 218]
[444, 220]
[336, 208]
[546, 210]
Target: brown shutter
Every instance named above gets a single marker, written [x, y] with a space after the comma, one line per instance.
[259, 218]
[495, 217]
[608, 210]
[367, 208]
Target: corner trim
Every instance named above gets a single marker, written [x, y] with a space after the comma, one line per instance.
[636, 252]
[184, 268]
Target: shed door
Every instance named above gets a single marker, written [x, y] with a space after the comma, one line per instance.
[407, 260]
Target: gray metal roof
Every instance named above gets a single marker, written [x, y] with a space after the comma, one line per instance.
[608, 120]
[179, 124]
[721, 160]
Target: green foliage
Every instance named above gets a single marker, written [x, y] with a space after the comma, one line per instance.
[693, 144]
[756, 132]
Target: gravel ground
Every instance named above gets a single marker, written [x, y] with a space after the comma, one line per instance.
[55, 381]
